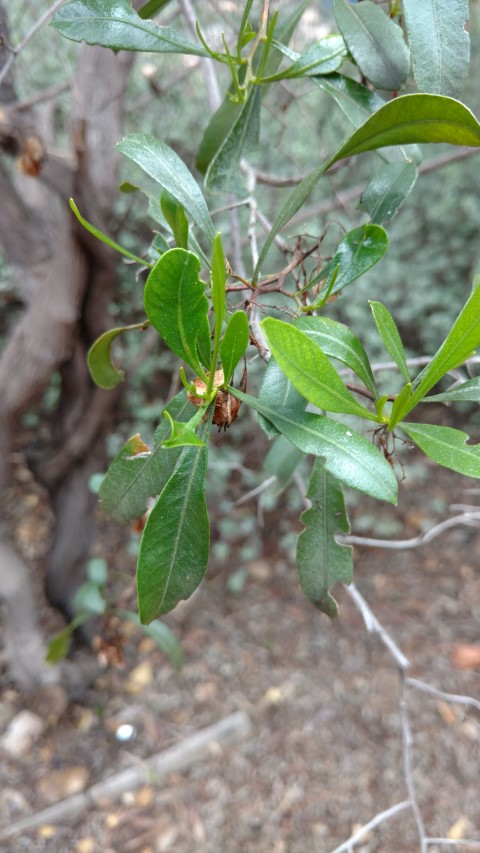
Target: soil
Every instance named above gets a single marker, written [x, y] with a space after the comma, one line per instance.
[324, 754]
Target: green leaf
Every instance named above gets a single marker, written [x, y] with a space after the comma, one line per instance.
[137, 473]
[439, 44]
[321, 561]
[219, 280]
[337, 341]
[99, 358]
[358, 102]
[462, 340]
[467, 392]
[113, 23]
[175, 216]
[400, 406]
[175, 543]
[309, 369]
[234, 343]
[384, 195]
[166, 168]
[276, 389]
[348, 456]
[359, 250]
[281, 461]
[59, 645]
[283, 33]
[414, 118]
[176, 305]
[325, 57]
[224, 169]
[217, 130]
[182, 434]
[153, 7]
[89, 599]
[103, 237]
[391, 339]
[375, 42]
[446, 446]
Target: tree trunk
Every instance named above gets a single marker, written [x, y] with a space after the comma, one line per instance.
[66, 279]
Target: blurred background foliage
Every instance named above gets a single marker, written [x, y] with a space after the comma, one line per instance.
[424, 278]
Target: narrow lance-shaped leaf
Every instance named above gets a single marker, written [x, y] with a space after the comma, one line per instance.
[348, 456]
[358, 252]
[219, 280]
[325, 57]
[466, 392]
[138, 473]
[439, 44]
[99, 358]
[103, 237]
[385, 194]
[175, 544]
[175, 216]
[414, 118]
[321, 561]
[114, 24]
[234, 343]
[446, 446]
[462, 340]
[337, 341]
[391, 339]
[153, 7]
[176, 304]
[400, 406]
[224, 169]
[309, 369]
[375, 42]
[358, 103]
[165, 166]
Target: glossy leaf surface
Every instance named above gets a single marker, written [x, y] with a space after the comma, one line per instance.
[337, 341]
[176, 305]
[439, 44]
[309, 369]
[175, 543]
[325, 57]
[321, 561]
[359, 250]
[462, 340]
[165, 166]
[138, 473]
[446, 446]
[224, 169]
[385, 194]
[99, 358]
[375, 42]
[467, 392]
[391, 339]
[234, 343]
[414, 118]
[113, 23]
[348, 456]
[276, 389]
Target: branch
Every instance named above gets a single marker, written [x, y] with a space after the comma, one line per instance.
[43, 19]
[468, 519]
[372, 824]
[176, 758]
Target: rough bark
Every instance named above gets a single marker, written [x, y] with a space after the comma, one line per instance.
[66, 279]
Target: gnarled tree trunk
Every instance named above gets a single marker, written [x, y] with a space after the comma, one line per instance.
[66, 279]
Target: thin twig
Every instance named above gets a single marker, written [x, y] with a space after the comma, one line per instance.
[373, 625]
[467, 519]
[407, 743]
[372, 824]
[454, 698]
